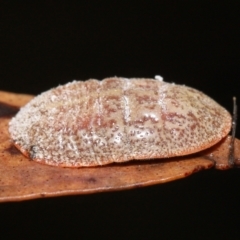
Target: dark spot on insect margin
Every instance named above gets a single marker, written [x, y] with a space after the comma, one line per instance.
[7, 110]
[33, 151]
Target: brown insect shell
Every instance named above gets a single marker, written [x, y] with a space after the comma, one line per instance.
[116, 120]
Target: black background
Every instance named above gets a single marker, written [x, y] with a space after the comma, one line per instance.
[188, 42]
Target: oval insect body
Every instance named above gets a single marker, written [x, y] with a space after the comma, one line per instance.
[116, 120]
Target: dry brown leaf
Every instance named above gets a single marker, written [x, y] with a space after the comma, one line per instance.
[22, 179]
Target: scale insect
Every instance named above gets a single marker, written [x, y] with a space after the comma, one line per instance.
[93, 123]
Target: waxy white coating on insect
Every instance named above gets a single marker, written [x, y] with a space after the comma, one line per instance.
[116, 120]
[159, 78]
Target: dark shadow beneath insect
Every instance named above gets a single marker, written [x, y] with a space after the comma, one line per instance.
[13, 150]
[7, 110]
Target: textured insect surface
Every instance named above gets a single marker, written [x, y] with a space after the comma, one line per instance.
[116, 120]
